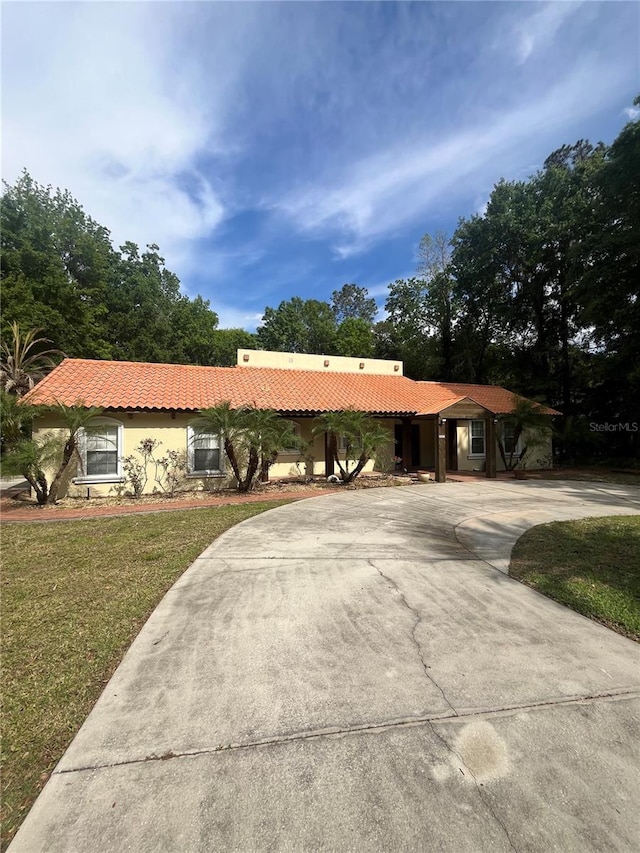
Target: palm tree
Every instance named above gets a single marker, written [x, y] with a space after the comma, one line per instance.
[30, 457]
[16, 418]
[33, 457]
[74, 418]
[270, 433]
[523, 421]
[251, 438]
[21, 364]
[231, 425]
[362, 436]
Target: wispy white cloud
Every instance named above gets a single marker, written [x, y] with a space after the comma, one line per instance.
[233, 318]
[255, 142]
[380, 194]
[121, 132]
[538, 30]
[632, 112]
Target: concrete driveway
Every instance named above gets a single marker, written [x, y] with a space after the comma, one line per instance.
[353, 673]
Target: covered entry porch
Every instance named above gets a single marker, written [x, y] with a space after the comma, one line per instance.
[461, 437]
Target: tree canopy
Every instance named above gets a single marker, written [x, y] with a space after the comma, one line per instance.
[62, 275]
[539, 293]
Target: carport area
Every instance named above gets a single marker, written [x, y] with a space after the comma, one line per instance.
[360, 673]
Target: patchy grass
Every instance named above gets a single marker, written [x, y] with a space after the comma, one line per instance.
[592, 566]
[74, 596]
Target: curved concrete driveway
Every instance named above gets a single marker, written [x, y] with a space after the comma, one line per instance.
[346, 674]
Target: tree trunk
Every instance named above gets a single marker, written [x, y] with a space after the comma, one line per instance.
[38, 483]
[252, 467]
[67, 455]
[229, 449]
[353, 474]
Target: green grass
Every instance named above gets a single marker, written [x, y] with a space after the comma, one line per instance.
[592, 566]
[74, 596]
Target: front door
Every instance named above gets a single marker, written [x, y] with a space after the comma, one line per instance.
[415, 445]
[414, 440]
[452, 445]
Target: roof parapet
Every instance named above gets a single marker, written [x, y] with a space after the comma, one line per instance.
[321, 363]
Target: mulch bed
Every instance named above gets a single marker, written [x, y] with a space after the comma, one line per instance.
[20, 507]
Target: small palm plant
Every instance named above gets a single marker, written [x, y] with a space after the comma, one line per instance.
[74, 419]
[16, 418]
[271, 434]
[525, 422]
[361, 435]
[251, 438]
[231, 425]
[32, 458]
[23, 362]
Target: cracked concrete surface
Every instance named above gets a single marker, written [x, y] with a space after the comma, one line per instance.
[359, 673]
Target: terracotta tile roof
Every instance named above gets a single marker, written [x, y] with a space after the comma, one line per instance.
[432, 397]
[491, 397]
[180, 387]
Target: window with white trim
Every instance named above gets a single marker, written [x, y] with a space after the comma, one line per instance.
[203, 451]
[100, 450]
[476, 438]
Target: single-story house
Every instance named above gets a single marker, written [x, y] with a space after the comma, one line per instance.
[432, 425]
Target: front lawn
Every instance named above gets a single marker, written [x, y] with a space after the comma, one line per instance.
[74, 596]
[591, 565]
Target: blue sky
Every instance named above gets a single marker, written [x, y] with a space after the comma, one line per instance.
[283, 149]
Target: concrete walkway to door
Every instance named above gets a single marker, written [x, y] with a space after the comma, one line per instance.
[360, 674]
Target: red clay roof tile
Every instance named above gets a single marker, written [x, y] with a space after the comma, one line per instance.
[181, 387]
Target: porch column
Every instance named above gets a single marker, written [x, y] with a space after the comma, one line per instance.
[490, 447]
[440, 449]
[329, 467]
[406, 443]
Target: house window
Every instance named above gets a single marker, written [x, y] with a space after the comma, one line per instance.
[476, 438]
[509, 440]
[100, 451]
[356, 443]
[203, 451]
[296, 428]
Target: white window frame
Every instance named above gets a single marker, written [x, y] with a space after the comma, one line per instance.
[481, 455]
[82, 476]
[191, 470]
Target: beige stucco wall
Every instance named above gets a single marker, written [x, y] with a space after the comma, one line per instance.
[541, 457]
[172, 432]
[465, 462]
[323, 363]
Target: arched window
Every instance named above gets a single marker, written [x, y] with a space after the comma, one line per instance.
[100, 447]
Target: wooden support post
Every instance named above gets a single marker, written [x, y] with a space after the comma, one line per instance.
[440, 449]
[490, 447]
[406, 443]
[329, 466]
